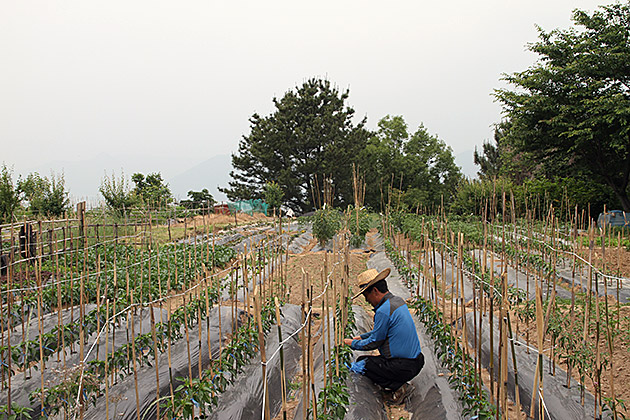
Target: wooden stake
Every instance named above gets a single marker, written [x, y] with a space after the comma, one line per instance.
[133, 355]
[283, 377]
[263, 356]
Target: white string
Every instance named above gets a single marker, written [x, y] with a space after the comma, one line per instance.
[306, 319]
[300, 328]
[572, 254]
[542, 400]
[160, 300]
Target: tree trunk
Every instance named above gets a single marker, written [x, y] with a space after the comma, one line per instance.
[622, 195]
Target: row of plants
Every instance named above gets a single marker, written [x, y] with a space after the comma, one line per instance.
[334, 399]
[57, 397]
[61, 396]
[201, 394]
[567, 318]
[462, 367]
[26, 353]
[518, 254]
[153, 274]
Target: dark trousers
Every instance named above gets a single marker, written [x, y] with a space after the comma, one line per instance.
[391, 373]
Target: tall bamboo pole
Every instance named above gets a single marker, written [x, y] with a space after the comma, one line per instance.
[263, 356]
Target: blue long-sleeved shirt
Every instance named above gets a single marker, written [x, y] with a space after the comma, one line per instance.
[394, 333]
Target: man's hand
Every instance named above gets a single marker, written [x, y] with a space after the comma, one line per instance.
[348, 341]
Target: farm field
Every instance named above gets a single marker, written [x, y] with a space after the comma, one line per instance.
[246, 322]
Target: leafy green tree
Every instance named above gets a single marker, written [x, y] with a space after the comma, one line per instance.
[489, 160]
[117, 193]
[571, 110]
[152, 190]
[55, 202]
[310, 133]
[420, 165]
[46, 196]
[34, 187]
[273, 195]
[10, 195]
[198, 200]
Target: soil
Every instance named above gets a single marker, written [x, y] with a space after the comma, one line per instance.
[621, 352]
[312, 264]
[617, 260]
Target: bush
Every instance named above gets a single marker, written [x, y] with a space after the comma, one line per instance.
[9, 195]
[117, 194]
[326, 223]
[537, 195]
[357, 226]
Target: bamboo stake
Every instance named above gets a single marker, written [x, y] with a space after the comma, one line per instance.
[169, 345]
[538, 377]
[304, 354]
[199, 364]
[133, 354]
[206, 288]
[40, 327]
[107, 359]
[219, 304]
[503, 348]
[283, 377]
[515, 367]
[609, 339]
[310, 353]
[598, 360]
[155, 356]
[491, 324]
[187, 341]
[263, 356]
[618, 275]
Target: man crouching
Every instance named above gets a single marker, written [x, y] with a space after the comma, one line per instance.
[394, 335]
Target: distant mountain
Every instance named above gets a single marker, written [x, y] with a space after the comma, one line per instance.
[466, 162]
[210, 174]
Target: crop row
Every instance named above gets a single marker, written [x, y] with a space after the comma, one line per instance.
[450, 352]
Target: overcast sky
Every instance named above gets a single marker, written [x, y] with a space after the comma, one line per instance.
[179, 79]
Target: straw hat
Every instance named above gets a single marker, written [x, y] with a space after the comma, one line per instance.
[369, 278]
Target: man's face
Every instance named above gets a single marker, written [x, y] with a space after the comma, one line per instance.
[371, 297]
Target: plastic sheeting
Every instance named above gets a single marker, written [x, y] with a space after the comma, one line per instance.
[366, 401]
[49, 321]
[433, 397]
[22, 384]
[243, 399]
[318, 363]
[513, 275]
[123, 394]
[300, 243]
[561, 402]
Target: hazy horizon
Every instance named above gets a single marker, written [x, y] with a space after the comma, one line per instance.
[167, 86]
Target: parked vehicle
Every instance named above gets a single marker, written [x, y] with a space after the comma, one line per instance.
[614, 218]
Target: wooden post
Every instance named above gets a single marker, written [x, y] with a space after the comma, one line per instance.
[107, 359]
[263, 356]
[538, 376]
[155, 355]
[133, 355]
[283, 377]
